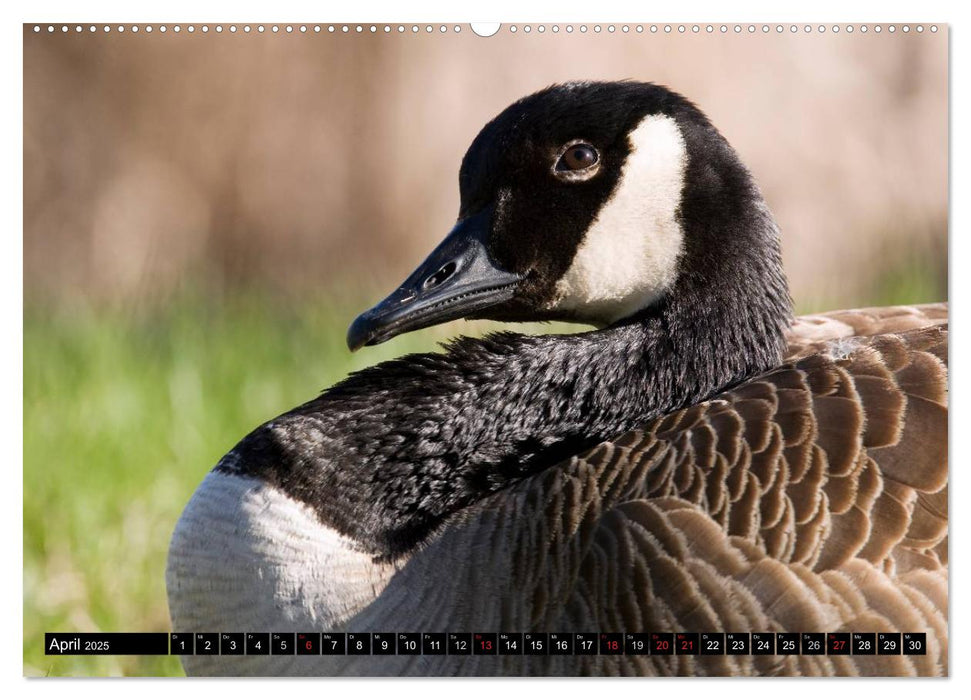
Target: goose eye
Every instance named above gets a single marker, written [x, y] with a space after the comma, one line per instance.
[578, 159]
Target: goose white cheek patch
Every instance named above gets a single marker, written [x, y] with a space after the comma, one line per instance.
[629, 255]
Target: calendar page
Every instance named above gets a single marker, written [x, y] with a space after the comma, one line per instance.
[517, 349]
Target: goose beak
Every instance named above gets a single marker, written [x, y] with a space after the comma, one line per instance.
[457, 279]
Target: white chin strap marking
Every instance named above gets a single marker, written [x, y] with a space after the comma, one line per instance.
[628, 256]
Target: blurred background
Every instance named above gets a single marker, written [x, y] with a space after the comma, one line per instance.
[205, 214]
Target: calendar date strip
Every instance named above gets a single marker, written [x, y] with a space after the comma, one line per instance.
[485, 643]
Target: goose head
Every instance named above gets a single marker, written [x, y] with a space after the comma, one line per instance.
[592, 202]
[614, 204]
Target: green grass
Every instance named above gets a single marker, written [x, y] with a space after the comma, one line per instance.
[124, 413]
[123, 416]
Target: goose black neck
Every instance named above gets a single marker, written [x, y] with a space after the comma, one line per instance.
[387, 455]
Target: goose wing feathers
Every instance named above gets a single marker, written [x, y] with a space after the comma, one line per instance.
[807, 332]
[810, 499]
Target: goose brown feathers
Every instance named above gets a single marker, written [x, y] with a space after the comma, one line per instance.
[812, 498]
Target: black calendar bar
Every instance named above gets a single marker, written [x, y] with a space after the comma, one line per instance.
[662, 643]
[207, 643]
[359, 643]
[611, 644]
[813, 644]
[637, 644]
[257, 644]
[383, 643]
[838, 644]
[281, 644]
[712, 643]
[510, 643]
[536, 644]
[231, 643]
[864, 644]
[585, 644]
[308, 643]
[459, 643]
[561, 643]
[333, 644]
[888, 643]
[434, 643]
[915, 643]
[787, 643]
[763, 644]
[106, 643]
[182, 643]
[409, 644]
[738, 644]
[486, 643]
[687, 643]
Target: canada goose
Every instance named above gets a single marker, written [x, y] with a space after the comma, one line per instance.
[699, 463]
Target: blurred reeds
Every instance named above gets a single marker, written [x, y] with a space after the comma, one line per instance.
[310, 161]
